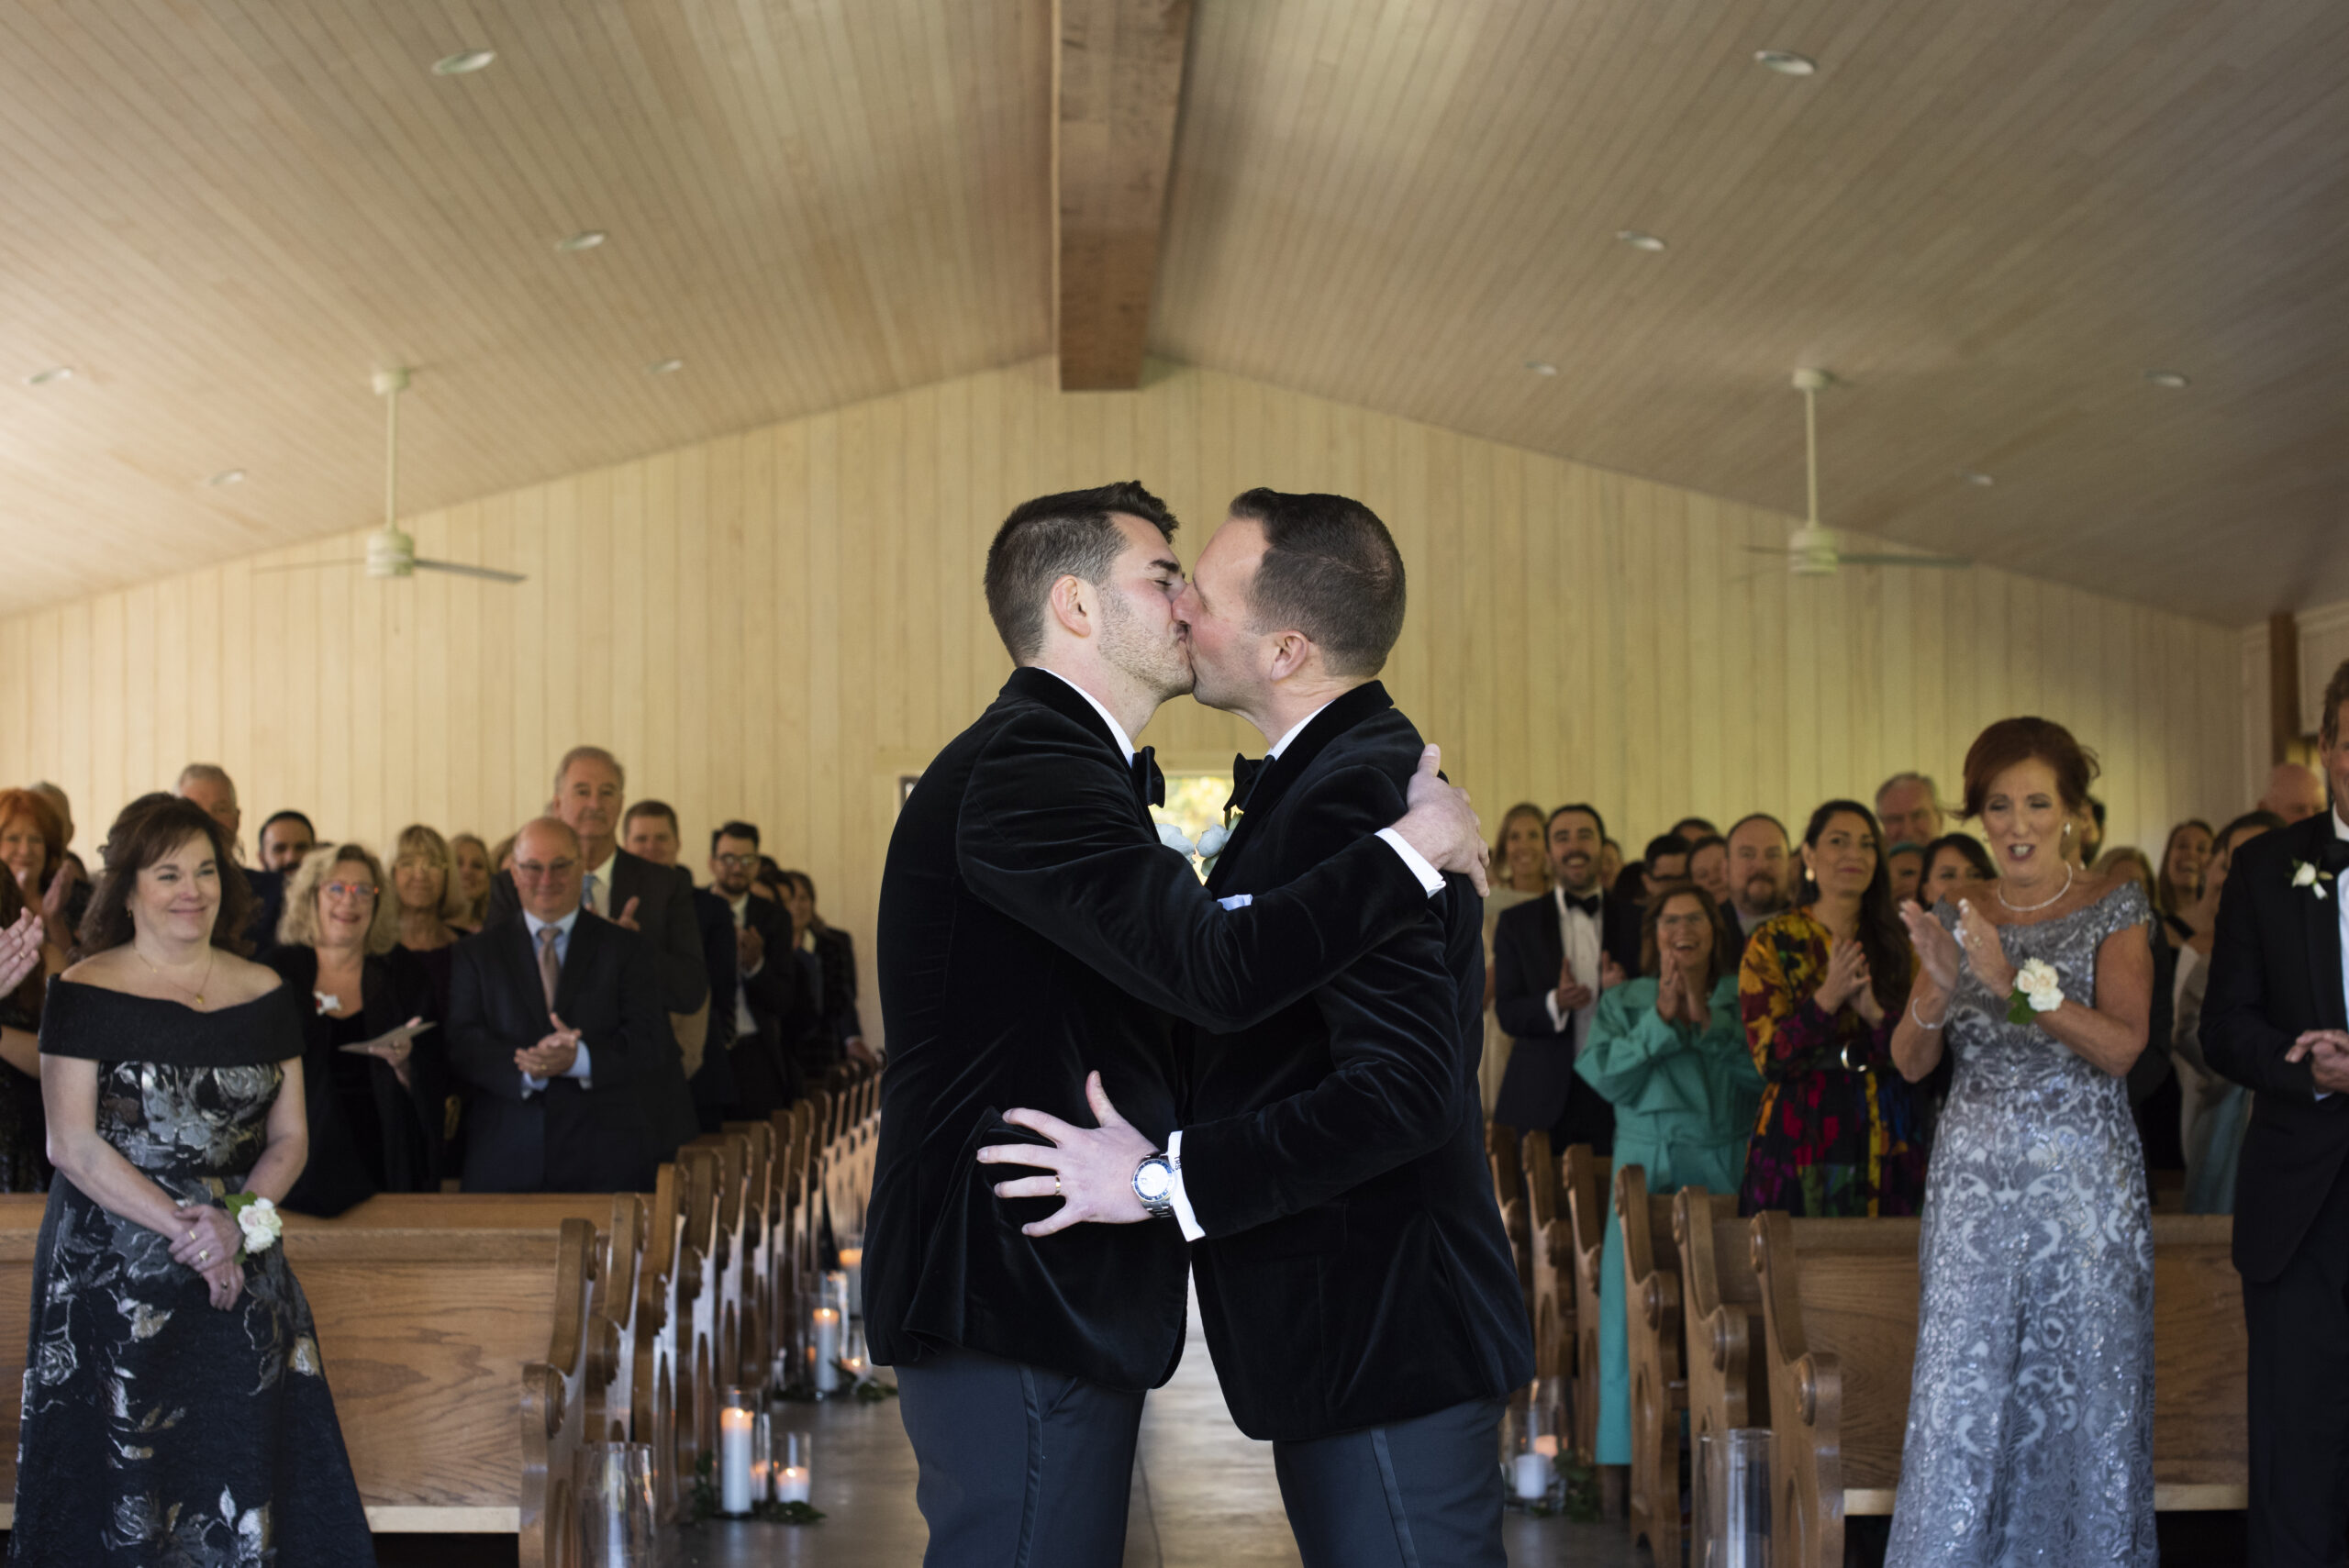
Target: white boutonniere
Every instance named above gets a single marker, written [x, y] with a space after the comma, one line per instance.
[2307, 875]
[2038, 989]
[258, 1218]
[1175, 838]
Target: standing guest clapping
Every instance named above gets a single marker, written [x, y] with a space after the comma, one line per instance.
[32, 847]
[375, 1117]
[1820, 988]
[1668, 1051]
[176, 1406]
[1520, 872]
[24, 1155]
[2031, 1411]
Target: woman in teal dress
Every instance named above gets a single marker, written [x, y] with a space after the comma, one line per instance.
[1669, 1051]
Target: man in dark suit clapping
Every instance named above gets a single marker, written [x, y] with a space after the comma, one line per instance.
[555, 1026]
[2275, 1020]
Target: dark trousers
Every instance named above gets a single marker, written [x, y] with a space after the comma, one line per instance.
[2298, 1326]
[1020, 1467]
[1420, 1494]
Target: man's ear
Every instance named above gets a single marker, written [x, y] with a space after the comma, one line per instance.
[1292, 652]
[1074, 605]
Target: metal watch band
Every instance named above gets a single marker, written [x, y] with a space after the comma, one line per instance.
[1162, 1207]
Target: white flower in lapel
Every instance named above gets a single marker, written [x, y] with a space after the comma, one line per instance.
[1212, 841]
[2307, 875]
[1176, 840]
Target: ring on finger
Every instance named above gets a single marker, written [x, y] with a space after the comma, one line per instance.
[204, 1256]
[1056, 1184]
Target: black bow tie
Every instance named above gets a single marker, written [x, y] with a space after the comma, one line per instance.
[1245, 772]
[2336, 854]
[1588, 906]
[1149, 784]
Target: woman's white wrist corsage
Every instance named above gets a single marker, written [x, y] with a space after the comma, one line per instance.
[2038, 989]
[259, 1220]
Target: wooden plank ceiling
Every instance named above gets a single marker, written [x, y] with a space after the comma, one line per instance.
[1990, 219]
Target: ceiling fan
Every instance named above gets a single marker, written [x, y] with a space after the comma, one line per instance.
[390, 551]
[1812, 551]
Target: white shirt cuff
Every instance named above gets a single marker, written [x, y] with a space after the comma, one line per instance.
[579, 1068]
[1192, 1229]
[1430, 878]
[532, 1084]
[1557, 1020]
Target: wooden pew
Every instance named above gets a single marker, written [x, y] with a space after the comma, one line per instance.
[1721, 1314]
[1584, 1182]
[1840, 1309]
[1652, 1320]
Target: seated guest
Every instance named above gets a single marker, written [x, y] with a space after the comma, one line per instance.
[2294, 794]
[1758, 881]
[285, 839]
[650, 832]
[1910, 806]
[1554, 955]
[429, 905]
[375, 1118]
[1956, 866]
[1668, 1052]
[32, 847]
[23, 1137]
[1691, 831]
[1520, 870]
[2180, 882]
[2214, 1113]
[555, 1029]
[774, 1008]
[843, 1029]
[208, 785]
[475, 867]
[1905, 865]
[1821, 988]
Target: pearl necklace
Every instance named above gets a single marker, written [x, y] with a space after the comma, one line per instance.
[2034, 908]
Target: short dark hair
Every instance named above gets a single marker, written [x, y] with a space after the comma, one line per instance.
[1071, 534]
[1966, 846]
[1331, 570]
[1590, 811]
[2336, 694]
[2013, 740]
[1663, 844]
[733, 830]
[659, 808]
[1710, 830]
[148, 828]
[1709, 842]
[1758, 816]
[287, 816]
[2265, 821]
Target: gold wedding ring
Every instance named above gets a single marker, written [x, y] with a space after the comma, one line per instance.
[1056, 1184]
[204, 1256]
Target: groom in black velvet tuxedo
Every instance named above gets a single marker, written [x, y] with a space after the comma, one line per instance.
[1355, 1281]
[2275, 1020]
[1034, 930]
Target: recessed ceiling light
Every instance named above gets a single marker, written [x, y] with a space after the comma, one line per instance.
[1786, 62]
[1976, 477]
[54, 373]
[465, 62]
[665, 367]
[2171, 379]
[226, 476]
[1638, 241]
[585, 240]
[1541, 367]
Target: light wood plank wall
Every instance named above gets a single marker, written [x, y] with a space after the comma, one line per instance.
[778, 624]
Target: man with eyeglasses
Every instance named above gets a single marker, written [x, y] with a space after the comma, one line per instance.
[556, 1029]
[775, 1002]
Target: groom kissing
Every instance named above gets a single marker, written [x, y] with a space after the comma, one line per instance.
[1356, 1284]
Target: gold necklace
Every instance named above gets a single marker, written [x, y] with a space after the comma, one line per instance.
[198, 992]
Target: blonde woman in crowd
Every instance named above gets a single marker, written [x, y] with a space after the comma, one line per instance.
[476, 869]
[1520, 870]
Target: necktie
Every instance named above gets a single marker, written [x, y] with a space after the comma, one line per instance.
[1245, 772]
[1588, 906]
[595, 906]
[550, 966]
[1149, 784]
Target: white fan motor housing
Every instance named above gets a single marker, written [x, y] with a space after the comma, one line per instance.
[390, 553]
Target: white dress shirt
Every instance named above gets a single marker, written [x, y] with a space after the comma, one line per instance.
[531, 1082]
[1583, 947]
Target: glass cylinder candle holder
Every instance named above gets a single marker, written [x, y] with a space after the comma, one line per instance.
[795, 1467]
[852, 1265]
[1729, 1499]
[1532, 1449]
[855, 1364]
[738, 1421]
[761, 1459]
[827, 1325]
[614, 1482]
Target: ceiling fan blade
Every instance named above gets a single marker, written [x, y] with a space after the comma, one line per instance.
[1904, 561]
[490, 574]
[307, 566]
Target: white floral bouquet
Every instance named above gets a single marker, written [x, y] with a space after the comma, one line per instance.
[258, 1218]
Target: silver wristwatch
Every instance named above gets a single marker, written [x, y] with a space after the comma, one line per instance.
[1155, 1185]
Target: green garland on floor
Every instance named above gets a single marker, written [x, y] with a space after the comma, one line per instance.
[703, 1504]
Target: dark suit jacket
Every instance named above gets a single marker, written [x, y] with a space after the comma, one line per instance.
[596, 1136]
[713, 1085]
[1354, 1271]
[1032, 928]
[393, 987]
[2274, 972]
[269, 903]
[1540, 1088]
[664, 918]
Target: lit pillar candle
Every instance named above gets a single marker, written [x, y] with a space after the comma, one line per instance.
[734, 1459]
[794, 1468]
[852, 1265]
[1531, 1477]
[828, 1349]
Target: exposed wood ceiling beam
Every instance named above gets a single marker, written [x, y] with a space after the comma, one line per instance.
[1116, 82]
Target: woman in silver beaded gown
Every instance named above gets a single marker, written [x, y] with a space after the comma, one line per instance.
[2029, 1435]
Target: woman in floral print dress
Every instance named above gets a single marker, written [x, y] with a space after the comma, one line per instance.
[1821, 988]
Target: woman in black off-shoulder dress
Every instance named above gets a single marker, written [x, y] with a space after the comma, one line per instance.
[176, 1409]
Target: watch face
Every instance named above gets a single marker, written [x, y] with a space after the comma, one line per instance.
[1151, 1181]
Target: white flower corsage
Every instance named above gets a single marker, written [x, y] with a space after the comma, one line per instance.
[2308, 876]
[259, 1220]
[2038, 989]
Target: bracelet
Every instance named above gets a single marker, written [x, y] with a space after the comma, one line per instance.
[1920, 1023]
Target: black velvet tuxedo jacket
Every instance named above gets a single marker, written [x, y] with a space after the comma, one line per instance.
[1540, 1086]
[2276, 971]
[1354, 1271]
[664, 919]
[1033, 928]
[394, 988]
[579, 1137]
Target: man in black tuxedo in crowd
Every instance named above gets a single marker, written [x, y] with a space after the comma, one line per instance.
[1357, 1287]
[590, 791]
[1552, 957]
[774, 1006]
[2274, 1018]
[556, 1028]
[705, 1038]
[1033, 930]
